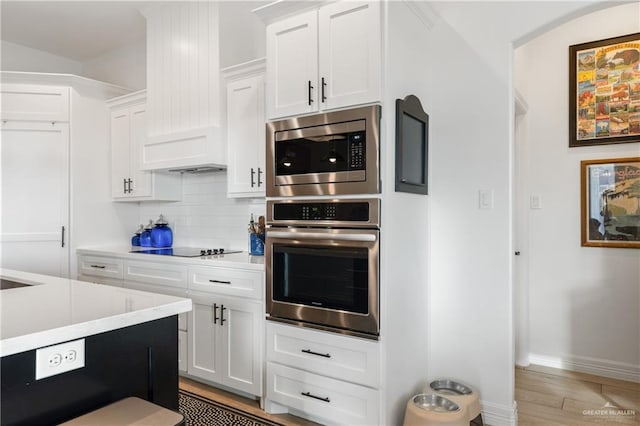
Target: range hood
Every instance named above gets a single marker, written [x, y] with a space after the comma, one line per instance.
[200, 169]
[189, 151]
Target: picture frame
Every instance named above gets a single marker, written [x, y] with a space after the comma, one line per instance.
[604, 91]
[610, 202]
[412, 146]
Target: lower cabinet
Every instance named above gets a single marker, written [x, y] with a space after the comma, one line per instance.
[325, 398]
[222, 339]
[182, 351]
[330, 377]
[225, 342]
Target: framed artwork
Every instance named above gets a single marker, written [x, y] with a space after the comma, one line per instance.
[610, 201]
[412, 146]
[604, 91]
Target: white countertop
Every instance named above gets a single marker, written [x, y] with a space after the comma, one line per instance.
[54, 310]
[235, 260]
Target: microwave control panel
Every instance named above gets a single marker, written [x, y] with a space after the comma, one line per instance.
[357, 152]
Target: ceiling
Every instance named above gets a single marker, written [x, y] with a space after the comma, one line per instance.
[77, 30]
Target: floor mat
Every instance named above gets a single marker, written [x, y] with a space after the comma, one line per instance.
[201, 411]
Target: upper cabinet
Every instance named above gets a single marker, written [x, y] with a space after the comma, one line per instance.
[22, 102]
[128, 133]
[245, 129]
[324, 59]
[183, 88]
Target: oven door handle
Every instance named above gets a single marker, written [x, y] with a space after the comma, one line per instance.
[312, 236]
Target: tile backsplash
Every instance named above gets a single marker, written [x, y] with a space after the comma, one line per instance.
[206, 217]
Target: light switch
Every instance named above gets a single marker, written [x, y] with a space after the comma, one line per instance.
[485, 198]
[535, 202]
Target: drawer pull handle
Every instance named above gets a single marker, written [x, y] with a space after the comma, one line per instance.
[310, 352]
[98, 266]
[310, 395]
[220, 282]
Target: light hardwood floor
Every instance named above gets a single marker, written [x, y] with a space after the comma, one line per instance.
[548, 396]
[545, 397]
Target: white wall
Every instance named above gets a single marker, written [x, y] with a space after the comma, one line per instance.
[126, 67]
[205, 217]
[242, 33]
[470, 283]
[16, 57]
[584, 301]
[404, 234]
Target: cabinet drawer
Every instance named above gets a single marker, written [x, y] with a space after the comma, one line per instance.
[334, 400]
[101, 280]
[230, 282]
[330, 354]
[100, 267]
[156, 274]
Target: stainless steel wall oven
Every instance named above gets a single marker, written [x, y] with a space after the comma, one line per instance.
[324, 154]
[322, 264]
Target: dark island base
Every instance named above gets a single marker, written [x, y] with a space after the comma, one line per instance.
[140, 360]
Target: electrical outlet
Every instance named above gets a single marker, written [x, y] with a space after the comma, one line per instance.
[59, 359]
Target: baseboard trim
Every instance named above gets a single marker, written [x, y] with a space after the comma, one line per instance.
[498, 414]
[595, 366]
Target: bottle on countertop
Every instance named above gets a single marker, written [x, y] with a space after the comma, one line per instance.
[161, 234]
[135, 240]
[145, 236]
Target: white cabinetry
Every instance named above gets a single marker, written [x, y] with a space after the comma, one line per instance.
[101, 270]
[332, 377]
[227, 327]
[54, 166]
[224, 342]
[222, 339]
[245, 129]
[128, 133]
[324, 59]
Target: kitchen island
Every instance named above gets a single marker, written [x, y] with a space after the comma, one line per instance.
[123, 343]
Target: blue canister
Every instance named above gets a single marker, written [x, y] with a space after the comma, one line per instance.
[145, 236]
[161, 234]
[135, 240]
[256, 243]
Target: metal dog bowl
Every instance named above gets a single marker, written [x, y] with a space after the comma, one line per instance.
[450, 387]
[431, 402]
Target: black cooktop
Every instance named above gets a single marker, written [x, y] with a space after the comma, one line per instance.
[186, 251]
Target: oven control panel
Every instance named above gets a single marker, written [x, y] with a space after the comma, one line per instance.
[354, 211]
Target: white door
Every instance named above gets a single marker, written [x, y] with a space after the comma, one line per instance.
[246, 137]
[242, 344]
[292, 65]
[140, 180]
[35, 197]
[203, 336]
[349, 54]
[120, 130]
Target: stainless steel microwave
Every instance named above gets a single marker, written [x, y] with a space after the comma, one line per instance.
[325, 154]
